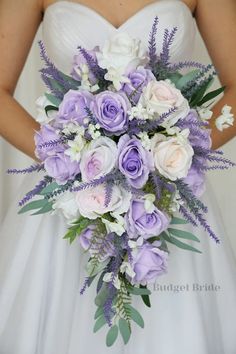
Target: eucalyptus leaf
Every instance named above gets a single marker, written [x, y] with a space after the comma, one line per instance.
[50, 188]
[135, 315]
[45, 209]
[179, 221]
[53, 99]
[124, 330]
[183, 234]
[174, 77]
[36, 204]
[178, 243]
[95, 269]
[184, 80]
[138, 291]
[99, 312]
[101, 297]
[101, 321]
[112, 335]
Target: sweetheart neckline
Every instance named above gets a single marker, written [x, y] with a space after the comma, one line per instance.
[126, 22]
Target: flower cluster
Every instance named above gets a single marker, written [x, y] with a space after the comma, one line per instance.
[125, 144]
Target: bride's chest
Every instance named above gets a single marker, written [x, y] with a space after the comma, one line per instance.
[66, 25]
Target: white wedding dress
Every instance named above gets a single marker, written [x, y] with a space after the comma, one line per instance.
[41, 309]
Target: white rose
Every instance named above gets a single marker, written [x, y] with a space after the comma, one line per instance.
[42, 117]
[66, 203]
[122, 52]
[161, 96]
[172, 156]
[98, 158]
[91, 202]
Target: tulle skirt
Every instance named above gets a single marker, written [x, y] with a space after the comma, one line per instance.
[42, 312]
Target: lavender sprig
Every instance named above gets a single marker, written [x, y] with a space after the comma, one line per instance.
[92, 64]
[37, 189]
[167, 42]
[33, 168]
[152, 43]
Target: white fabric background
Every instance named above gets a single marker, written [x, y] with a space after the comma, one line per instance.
[30, 87]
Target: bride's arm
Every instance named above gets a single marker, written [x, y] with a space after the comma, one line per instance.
[19, 21]
[216, 20]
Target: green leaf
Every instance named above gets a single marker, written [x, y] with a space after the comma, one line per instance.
[178, 243]
[179, 221]
[101, 321]
[95, 269]
[146, 300]
[135, 315]
[112, 334]
[99, 312]
[71, 80]
[45, 209]
[36, 204]
[138, 291]
[197, 97]
[187, 78]
[124, 330]
[101, 297]
[174, 77]
[183, 234]
[49, 189]
[54, 100]
[50, 108]
[211, 95]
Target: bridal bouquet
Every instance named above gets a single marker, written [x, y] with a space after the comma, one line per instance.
[124, 146]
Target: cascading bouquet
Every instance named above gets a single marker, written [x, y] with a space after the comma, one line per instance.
[125, 144]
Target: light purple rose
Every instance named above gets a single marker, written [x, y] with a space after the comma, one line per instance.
[138, 79]
[60, 167]
[134, 161]
[46, 134]
[196, 181]
[110, 110]
[149, 262]
[73, 107]
[80, 64]
[141, 222]
[86, 236]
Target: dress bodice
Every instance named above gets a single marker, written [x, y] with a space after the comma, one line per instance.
[68, 24]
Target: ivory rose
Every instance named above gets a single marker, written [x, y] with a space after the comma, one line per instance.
[91, 202]
[172, 156]
[161, 96]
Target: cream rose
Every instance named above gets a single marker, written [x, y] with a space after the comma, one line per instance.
[122, 52]
[66, 203]
[91, 202]
[172, 157]
[161, 96]
[98, 159]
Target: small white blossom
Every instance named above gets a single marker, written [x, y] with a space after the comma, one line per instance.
[93, 131]
[140, 112]
[73, 128]
[226, 119]
[149, 202]
[75, 148]
[115, 226]
[108, 277]
[205, 113]
[145, 140]
[126, 268]
[116, 76]
[176, 202]
[42, 116]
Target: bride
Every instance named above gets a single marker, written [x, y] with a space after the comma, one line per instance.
[41, 310]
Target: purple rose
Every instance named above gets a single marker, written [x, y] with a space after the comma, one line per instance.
[60, 167]
[73, 107]
[44, 135]
[141, 222]
[196, 181]
[134, 161]
[139, 78]
[149, 262]
[110, 110]
[86, 236]
[80, 64]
